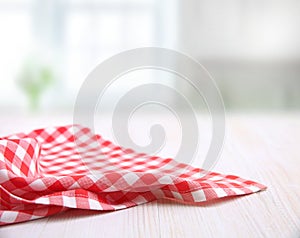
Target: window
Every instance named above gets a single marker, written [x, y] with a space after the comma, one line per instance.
[73, 37]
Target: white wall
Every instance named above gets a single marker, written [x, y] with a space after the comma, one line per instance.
[251, 48]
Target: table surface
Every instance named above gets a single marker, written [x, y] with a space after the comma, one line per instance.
[262, 147]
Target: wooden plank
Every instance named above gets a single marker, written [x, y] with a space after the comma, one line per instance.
[262, 148]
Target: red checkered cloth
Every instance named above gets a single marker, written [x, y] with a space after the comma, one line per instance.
[54, 169]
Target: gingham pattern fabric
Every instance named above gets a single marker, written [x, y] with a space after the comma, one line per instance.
[54, 169]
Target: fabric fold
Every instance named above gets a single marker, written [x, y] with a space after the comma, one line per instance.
[50, 170]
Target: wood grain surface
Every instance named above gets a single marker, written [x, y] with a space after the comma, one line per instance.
[265, 148]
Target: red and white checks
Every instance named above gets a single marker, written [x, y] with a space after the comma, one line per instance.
[54, 169]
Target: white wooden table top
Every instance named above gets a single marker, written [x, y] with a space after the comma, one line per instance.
[264, 148]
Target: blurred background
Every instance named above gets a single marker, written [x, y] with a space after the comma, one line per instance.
[250, 47]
